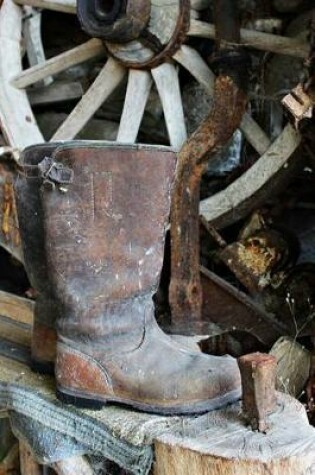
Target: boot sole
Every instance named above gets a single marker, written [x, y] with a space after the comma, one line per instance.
[86, 401]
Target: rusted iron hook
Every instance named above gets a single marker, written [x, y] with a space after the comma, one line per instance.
[224, 118]
[119, 21]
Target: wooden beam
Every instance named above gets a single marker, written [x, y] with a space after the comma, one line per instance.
[16, 308]
[256, 39]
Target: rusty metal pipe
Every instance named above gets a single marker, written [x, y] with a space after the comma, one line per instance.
[224, 118]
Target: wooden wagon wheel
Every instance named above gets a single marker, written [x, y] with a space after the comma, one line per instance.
[169, 20]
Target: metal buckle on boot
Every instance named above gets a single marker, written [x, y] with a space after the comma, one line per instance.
[55, 173]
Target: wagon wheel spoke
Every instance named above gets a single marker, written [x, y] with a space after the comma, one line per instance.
[66, 6]
[106, 82]
[89, 50]
[138, 90]
[167, 83]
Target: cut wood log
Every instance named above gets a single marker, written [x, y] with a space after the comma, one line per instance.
[249, 190]
[138, 90]
[91, 49]
[256, 39]
[66, 6]
[166, 80]
[191, 60]
[28, 464]
[16, 117]
[293, 368]
[229, 446]
[106, 82]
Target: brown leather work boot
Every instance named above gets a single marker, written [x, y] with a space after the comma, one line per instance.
[31, 225]
[106, 209]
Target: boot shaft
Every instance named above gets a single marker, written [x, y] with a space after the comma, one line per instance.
[105, 233]
[30, 215]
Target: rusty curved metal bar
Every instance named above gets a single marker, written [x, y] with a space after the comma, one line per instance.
[228, 108]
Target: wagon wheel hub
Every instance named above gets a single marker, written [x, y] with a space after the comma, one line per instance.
[138, 34]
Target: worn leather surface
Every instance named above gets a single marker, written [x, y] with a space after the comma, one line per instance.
[31, 226]
[105, 241]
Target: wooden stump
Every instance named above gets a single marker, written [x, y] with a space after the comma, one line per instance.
[222, 444]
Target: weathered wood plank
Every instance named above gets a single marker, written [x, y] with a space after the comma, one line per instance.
[106, 82]
[17, 308]
[91, 49]
[256, 39]
[166, 80]
[138, 90]
[15, 332]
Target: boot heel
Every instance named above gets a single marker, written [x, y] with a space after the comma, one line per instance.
[80, 379]
[42, 367]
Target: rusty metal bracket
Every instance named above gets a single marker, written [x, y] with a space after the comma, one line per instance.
[229, 106]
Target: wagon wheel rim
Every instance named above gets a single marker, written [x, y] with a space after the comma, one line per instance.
[223, 208]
